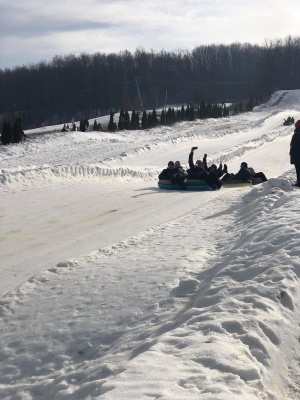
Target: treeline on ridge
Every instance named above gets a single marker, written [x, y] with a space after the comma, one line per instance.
[86, 86]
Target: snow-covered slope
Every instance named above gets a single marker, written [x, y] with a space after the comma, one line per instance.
[114, 289]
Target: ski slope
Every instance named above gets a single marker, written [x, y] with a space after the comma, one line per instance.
[114, 289]
[112, 169]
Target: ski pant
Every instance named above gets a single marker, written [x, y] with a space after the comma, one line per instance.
[260, 175]
[226, 177]
[297, 167]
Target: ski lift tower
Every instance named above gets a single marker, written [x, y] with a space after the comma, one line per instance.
[136, 81]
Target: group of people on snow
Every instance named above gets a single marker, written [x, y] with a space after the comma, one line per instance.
[214, 176]
[289, 121]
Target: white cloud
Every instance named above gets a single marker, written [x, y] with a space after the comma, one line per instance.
[94, 25]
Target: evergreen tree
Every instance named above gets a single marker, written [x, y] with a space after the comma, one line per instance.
[208, 110]
[133, 120]
[173, 116]
[163, 118]
[18, 134]
[95, 126]
[112, 126]
[144, 120]
[126, 119]
[182, 113]
[215, 111]
[187, 113]
[82, 125]
[202, 110]
[154, 118]
[191, 113]
[121, 123]
[169, 116]
[6, 133]
[178, 117]
[149, 120]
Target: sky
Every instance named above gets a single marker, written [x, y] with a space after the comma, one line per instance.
[31, 31]
[112, 288]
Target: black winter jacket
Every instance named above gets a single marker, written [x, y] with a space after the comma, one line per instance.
[244, 175]
[168, 173]
[295, 147]
[195, 172]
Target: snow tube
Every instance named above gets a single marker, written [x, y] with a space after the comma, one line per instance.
[190, 184]
[237, 183]
[233, 183]
[256, 181]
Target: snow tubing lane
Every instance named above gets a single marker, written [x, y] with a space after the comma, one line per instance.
[195, 185]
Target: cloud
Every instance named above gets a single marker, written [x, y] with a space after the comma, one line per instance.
[61, 27]
[24, 25]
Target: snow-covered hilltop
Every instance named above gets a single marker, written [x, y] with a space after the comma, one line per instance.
[113, 289]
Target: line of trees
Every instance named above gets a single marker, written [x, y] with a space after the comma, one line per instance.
[171, 116]
[15, 134]
[87, 86]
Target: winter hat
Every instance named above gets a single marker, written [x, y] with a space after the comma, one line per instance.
[297, 124]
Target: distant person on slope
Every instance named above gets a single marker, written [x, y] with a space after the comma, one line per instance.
[295, 151]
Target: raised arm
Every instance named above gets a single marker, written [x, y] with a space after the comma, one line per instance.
[191, 159]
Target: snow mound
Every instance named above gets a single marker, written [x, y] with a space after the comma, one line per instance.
[46, 173]
[218, 333]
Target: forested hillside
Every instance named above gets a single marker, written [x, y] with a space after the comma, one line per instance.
[91, 85]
